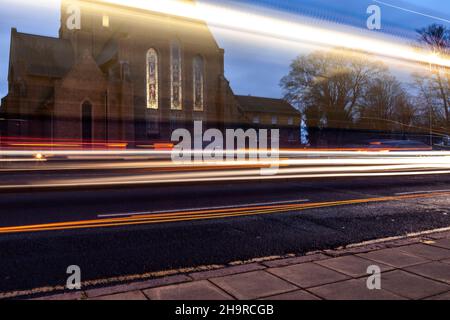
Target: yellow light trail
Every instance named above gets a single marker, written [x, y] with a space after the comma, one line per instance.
[184, 216]
[287, 29]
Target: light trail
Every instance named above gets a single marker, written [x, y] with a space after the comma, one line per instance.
[127, 182]
[259, 152]
[174, 166]
[273, 24]
[184, 216]
[283, 28]
[141, 167]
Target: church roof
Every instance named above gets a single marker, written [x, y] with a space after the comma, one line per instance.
[42, 56]
[266, 105]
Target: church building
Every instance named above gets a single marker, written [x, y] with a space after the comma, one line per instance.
[124, 74]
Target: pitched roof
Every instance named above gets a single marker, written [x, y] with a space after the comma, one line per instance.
[266, 105]
[42, 56]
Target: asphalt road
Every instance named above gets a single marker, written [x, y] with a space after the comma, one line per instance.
[38, 259]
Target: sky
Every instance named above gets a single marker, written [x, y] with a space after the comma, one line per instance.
[253, 65]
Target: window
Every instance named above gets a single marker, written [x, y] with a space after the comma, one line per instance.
[256, 119]
[198, 83]
[175, 76]
[105, 21]
[274, 120]
[125, 71]
[152, 80]
[290, 121]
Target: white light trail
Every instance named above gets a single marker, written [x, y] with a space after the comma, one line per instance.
[292, 165]
[282, 29]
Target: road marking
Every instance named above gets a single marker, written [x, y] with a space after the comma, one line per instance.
[203, 214]
[421, 192]
[200, 209]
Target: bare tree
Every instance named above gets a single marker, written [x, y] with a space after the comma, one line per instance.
[328, 86]
[434, 85]
[386, 106]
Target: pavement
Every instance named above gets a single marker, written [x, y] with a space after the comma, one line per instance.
[412, 268]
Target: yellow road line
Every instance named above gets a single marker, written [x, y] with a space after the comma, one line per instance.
[204, 214]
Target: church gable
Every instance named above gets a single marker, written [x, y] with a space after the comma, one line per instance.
[85, 74]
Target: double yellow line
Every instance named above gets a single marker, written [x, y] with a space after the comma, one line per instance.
[204, 214]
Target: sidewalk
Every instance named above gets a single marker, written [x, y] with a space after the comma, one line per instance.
[413, 268]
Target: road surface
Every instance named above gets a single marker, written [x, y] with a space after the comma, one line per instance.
[156, 228]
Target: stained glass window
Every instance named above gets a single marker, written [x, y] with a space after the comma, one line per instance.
[198, 84]
[152, 79]
[175, 76]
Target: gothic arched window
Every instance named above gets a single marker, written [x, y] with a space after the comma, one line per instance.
[175, 76]
[152, 80]
[199, 83]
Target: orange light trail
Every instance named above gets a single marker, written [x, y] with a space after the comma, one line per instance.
[205, 214]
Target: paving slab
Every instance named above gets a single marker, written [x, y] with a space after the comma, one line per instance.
[354, 289]
[253, 285]
[442, 243]
[298, 295]
[63, 296]
[190, 291]
[427, 251]
[435, 270]
[295, 260]
[126, 296]
[307, 275]
[411, 286]
[402, 242]
[226, 271]
[394, 257]
[355, 250]
[353, 266]
[137, 286]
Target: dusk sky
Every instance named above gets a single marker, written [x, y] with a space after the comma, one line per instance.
[252, 68]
